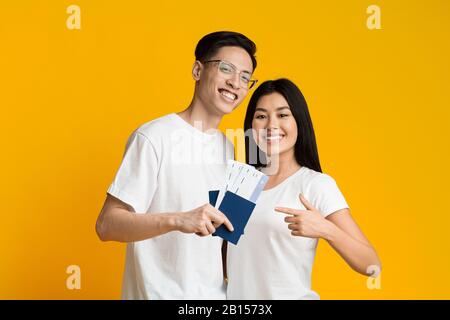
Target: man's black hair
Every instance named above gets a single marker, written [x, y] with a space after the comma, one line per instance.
[208, 46]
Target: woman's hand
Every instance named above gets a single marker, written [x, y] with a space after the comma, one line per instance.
[341, 232]
[306, 223]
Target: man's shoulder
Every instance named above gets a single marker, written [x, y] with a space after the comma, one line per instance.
[157, 127]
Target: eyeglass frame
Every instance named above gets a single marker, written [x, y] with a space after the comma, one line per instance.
[252, 81]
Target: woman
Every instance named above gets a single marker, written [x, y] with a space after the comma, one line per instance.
[298, 206]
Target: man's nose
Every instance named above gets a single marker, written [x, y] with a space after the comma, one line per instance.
[234, 81]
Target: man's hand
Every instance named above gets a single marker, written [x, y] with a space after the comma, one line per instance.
[202, 221]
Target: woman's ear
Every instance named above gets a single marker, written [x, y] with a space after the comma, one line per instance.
[196, 70]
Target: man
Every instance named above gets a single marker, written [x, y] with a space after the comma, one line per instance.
[158, 201]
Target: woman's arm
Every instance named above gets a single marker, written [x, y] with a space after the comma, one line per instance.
[341, 232]
[347, 239]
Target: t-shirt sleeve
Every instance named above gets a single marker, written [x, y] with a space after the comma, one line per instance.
[136, 180]
[325, 196]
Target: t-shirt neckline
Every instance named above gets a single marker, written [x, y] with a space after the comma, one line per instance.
[195, 130]
[285, 180]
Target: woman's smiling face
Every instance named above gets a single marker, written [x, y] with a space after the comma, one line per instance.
[276, 128]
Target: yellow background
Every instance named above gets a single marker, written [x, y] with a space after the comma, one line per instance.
[69, 99]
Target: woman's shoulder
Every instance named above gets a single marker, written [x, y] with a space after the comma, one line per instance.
[322, 191]
[310, 178]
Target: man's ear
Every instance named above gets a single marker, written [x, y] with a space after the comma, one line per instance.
[197, 70]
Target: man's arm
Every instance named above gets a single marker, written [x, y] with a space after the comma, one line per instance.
[117, 221]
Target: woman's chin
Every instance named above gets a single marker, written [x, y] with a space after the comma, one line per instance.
[272, 153]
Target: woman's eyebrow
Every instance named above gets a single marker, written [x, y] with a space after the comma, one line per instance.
[277, 109]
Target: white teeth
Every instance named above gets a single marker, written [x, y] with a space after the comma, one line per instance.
[228, 95]
[274, 138]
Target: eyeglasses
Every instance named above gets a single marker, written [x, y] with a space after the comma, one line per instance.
[228, 69]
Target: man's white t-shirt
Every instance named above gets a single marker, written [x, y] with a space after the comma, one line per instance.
[169, 166]
[270, 263]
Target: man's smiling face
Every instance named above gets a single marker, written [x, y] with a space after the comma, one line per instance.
[220, 92]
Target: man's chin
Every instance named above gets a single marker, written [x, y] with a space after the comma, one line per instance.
[226, 109]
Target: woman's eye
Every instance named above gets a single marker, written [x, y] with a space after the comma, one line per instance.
[260, 116]
[284, 115]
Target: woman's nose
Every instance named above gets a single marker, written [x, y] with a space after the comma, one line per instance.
[273, 123]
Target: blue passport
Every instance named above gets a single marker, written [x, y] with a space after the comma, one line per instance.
[237, 209]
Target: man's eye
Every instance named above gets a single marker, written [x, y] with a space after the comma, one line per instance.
[245, 79]
[225, 68]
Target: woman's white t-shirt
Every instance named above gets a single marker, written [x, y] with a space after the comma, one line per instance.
[270, 263]
[169, 166]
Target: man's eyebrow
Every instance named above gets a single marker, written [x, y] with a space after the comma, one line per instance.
[246, 71]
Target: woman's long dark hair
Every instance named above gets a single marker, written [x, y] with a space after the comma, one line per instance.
[305, 148]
